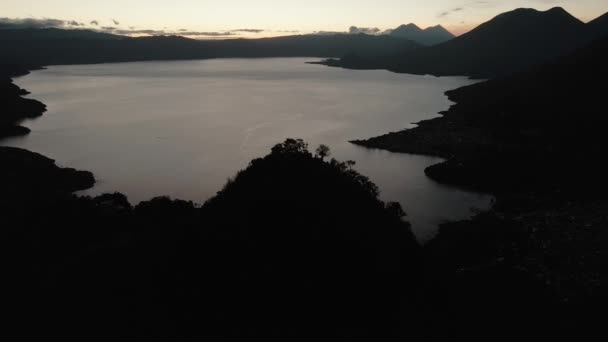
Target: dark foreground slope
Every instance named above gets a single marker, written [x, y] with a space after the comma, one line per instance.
[293, 248]
[25, 173]
[510, 42]
[537, 140]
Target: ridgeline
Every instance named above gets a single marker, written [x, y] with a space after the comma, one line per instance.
[297, 247]
[536, 140]
[511, 42]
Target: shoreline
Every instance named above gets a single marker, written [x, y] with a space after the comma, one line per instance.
[26, 171]
[508, 243]
[17, 107]
[428, 216]
[532, 140]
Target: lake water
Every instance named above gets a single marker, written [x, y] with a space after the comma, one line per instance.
[182, 128]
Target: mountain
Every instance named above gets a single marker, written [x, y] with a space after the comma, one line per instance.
[510, 42]
[542, 126]
[58, 46]
[335, 45]
[534, 139]
[429, 36]
[438, 34]
[599, 26]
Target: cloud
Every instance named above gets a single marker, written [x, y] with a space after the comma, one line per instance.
[326, 33]
[365, 30]
[479, 4]
[31, 23]
[21, 23]
[6, 23]
[248, 31]
[451, 11]
[207, 34]
[139, 32]
[150, 32]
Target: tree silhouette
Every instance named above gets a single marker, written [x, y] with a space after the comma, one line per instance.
[323, 151]
[291, 146]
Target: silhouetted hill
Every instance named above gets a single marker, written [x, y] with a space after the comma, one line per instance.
[510, 42]
[55, 46]
[540, 114]
[294, 247]
[429, 36]
[599, 26]
[336, 45]
[535, 139]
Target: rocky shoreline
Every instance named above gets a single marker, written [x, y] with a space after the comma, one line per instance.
[25, 172]
[15, 108]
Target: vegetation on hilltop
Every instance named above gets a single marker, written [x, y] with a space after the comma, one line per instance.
[293, 246]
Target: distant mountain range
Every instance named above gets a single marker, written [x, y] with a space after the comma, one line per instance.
[34, 46]
[429, 36]
[509, 42]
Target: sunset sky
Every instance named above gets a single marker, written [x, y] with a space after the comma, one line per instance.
[261, 18]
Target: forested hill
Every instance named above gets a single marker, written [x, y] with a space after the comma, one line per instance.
[56, 46]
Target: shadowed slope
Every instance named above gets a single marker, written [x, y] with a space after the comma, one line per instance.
[519, 130]
[510, 42]
[294, 247]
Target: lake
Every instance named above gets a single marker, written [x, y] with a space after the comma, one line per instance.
[183, 128]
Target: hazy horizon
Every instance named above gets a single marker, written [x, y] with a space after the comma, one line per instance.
[244, 19]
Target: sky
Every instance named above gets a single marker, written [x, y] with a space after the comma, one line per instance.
[263, 18]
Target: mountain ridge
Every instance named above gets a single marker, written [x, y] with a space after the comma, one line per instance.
[48, 47]
[432, 35]
[599, 26]
[510, 42]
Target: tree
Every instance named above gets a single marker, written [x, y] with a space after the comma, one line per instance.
[395, 209]
[291, 146]
[323, 151]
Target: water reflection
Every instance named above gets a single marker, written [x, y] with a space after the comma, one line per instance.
[182, 128]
